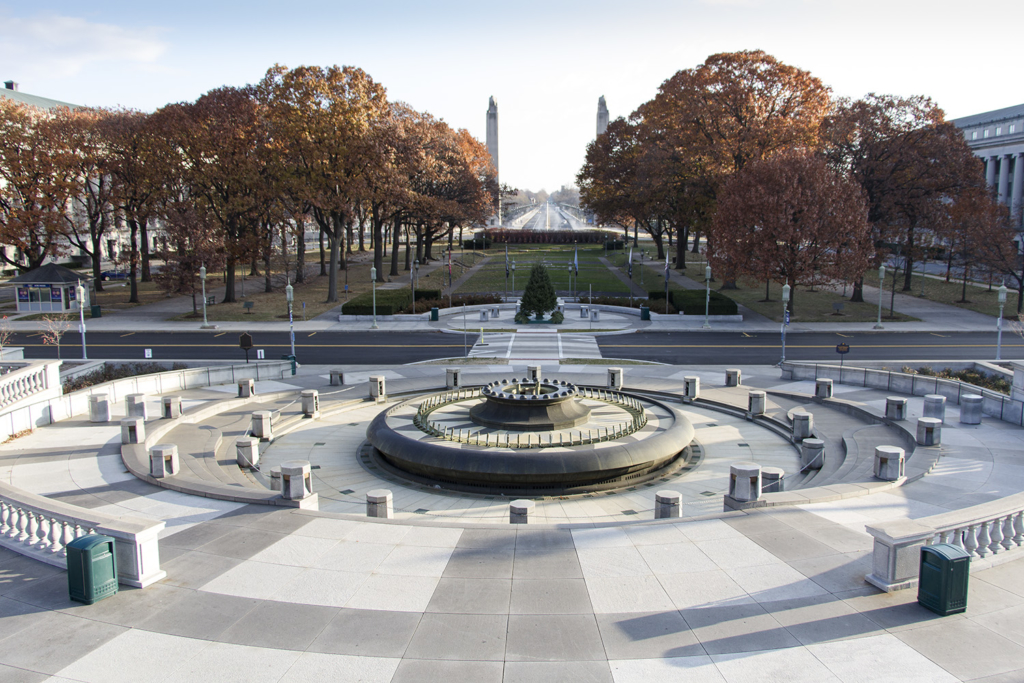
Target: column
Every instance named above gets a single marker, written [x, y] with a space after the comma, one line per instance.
[1018, 185]
[990, 171]
[1004, 178]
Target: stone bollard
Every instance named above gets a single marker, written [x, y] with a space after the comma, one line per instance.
[970, 409]
[135, 406]
[803, 426]
[296, 480]
[584, 312]
[99, 408]
[812, 454]
[275, 478]
[668, 504]
[935, 406]
[378, 388]
[773, 480]
[483, 316]
[133, 430]
[519, 511]
[895, 408]
[380, 503]
[310, 403]
[691, 388]
[755, 404]
[262, 428]
[615, 379]
[823, 388]
[495, 312]
[453, 378]
[337, 378]
[246, 388]
[733, 378]
[595, 315]
[745, 482]
[929, 431]
[247, 451]
[890, 462]
[533, 373]
[172, 407]
[163, 460]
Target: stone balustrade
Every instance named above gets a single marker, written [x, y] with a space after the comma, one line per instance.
[33, 381]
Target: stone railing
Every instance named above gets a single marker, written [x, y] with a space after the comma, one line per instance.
[37, 381]
[984, 531]
[41, 528]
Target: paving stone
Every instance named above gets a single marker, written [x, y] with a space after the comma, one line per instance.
[55, 641]
[282, 625]
[577, 672]
[196, 614]
[647, 635]
[370, 633]
[737, 628]
[481, 562]
[478, 637]
[241, 545]
[821, 618]
[965, 649]
[317, 666]
[195, 569]
[9, 674]
[550, 596]
[553, 637]
[471, 596]
[546, 563]
[434, 670]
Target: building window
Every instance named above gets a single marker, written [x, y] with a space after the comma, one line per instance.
[1013, 128]
[986, 134]
[974, 135]
[999, 130]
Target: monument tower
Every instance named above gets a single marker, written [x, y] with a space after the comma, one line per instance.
[602, 115]
[492, 132]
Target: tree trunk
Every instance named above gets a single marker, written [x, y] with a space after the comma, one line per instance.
[323, 254]
[681, 250]
[268, 286]
[144, 248]
[300, 255]
[408, 254]
[229, 280]
[396, 236]
[335, 238]
[767, 291]
[857, 295]
[133, 259]
[909, 263]
[696, 242]
[97, 257]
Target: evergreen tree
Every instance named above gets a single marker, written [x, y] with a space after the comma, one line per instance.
[539, 295]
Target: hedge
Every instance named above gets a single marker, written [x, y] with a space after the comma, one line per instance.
[691, 302]
[389, 302]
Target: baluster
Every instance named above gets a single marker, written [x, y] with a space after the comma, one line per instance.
[43, 533]
[1008, 532]
[996, 534]
[957, 538]
[971, 540]
[1018, 528]
[983, 539]
[14, 522]
[5, 515]
[942, 537]
[68, 536]
[56, 533]
[32, 529]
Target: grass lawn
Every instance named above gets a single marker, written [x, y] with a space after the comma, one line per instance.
[808, 306]
[979, 298]
[491, 278]
[116, 293]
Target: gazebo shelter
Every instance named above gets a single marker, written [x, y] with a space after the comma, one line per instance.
[49, 289]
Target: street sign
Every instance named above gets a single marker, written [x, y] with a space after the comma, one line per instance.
[259, 354]
[245, 343]
[148, 353]
[842, 349]
[787, 317]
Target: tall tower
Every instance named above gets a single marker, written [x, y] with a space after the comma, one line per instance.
[492, 131]
[602, 115]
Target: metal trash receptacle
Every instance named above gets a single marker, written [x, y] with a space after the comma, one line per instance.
[96, 311]
[92, 568]
[435, 314]
[645, 313]
[943, 577]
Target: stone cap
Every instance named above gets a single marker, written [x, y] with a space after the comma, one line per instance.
[246, 440]
[131, 421]
[378, 496]
[890, 451]
[295, 468]
[901, 399]
[309, 392]
[971, 398]
[744, 468]
[772, 473]
[262, 413]
[814, 443]
[756, 392]
[823, 380]
[164, 449]
[93, 398]
[934, 398]
[929, 421]
[171, 399]
[521, 506]
[671, 497]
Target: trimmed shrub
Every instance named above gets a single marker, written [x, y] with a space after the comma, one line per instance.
[691, 302]
[557, 318]
[539, 294]
[112, 371]
[389, 302]
[522, 318]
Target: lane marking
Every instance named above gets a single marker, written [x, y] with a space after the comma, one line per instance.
[220, 334]
[311, 334]
[127, 335]
[936, 334]
[750, 336]
[845, 336]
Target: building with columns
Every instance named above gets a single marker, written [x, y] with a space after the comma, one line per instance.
[997, 137]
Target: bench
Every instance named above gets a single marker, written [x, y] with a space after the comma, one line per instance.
[211, 300]
[248, 306]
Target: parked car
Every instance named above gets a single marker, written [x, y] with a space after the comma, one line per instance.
[113, 275]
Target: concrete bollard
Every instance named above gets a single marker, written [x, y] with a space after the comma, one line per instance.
[247, 451]
[584, 312]
[171, 407]
[99, 408]
[812, 454]
[163, 460]
[453, 378]
[755, 404]
[533, 372]
[135, 406]
[803, 426]
[691, 388]
[495, 312]
[296, 480]
[895, 408]
[733, 377]
[773, 480]
[378, 388]
[275, 478]
[246, 388]
[133, 430]
[310, 403]
[615, 379]
[483, 316]
[595, 315]
[890, 463]
[745, 482]
[823, 388]
[337, 378]
[970, 409]
[668, 505]
[935, 406]
[519, 511]
[929, 431]
[262, 428]
[380, 504]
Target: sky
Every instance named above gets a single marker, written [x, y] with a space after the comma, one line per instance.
[545, 63]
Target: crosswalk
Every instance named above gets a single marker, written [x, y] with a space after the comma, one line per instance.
[535, 346]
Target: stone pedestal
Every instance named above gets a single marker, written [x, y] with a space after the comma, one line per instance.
[890, 462]
[970, 409]
[595, 314]
[615, 379]
[803, 426]
[133, 430]
[495, 312]
[929, 431]
[337, 378]
[453, 378]
[519, 511]
[745, 481]
[812, 454]
[756, 404]
[935, 406]
[275, 478]
[247, 451]
[378, 388]
[584, 312]
[171, 406]
[895, 408]
[733, 377]
[246, 388]
[483, 316]
[99, 408]
[163, 460]
[896, 558]
[691, 388]
[261, 425]
[135, 406]
[380, 503]
[668, 504]
[296, 480]
[310, 403]
[533, 372]
[823, 388]
[773, 480]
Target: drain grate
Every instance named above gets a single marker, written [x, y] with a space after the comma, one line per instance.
[320, 443]
[347, 491]
[745, 445]
[708, 493]
[629, 512]
[314, 467]
[421, 511]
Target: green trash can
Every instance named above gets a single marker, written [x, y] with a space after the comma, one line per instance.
[92, 568]
[96, 312]
[645, 313]
[942, 581]
[435, 314]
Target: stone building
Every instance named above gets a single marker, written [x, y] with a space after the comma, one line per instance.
[997, 137]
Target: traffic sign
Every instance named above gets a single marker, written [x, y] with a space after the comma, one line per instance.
[787, 317]
[245, 343]
[842, 348]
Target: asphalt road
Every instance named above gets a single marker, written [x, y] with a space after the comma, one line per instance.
[393, 348]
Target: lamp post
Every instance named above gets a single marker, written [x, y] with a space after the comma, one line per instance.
[80, 290]
[202, 278]
[415, 274]
[881, 283]
[373, 282]
[289, 294]
[707, 296]
[999, 324]
[785, 311]
[513, 277]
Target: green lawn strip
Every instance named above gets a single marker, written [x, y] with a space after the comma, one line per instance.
[491, 278]
[808, 306]
[979, 297]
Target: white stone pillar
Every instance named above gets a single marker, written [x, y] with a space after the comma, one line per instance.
[172, 407]
[615, 379]
[337, 378]
[990, 171]
[668, 505]
[262, 428]
[378, 388]
[380, 504]
[895, 408]
[935, 406]
[247, 451]
[519, 511]
[733, 377]
[533, 372]
[890, 463]
[812, 454]
[310, 403]
[163, 460]
[275, 478]
[803, 426]
[773, 480]
[929, 431]
[135, 406]
[1004, 178]
[756, 404]
[246, 388]
[133, 430]
[691, 388]
[453, 378]
[595, 315]
[823, 388]
[296, 480]
[99, 408]
[745, 482]
[970, 409]
[1017, 195]
[483, 316]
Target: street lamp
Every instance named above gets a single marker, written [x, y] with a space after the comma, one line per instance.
[707, 296]
[81, 312]
[373, 282]
[513, 277]
[999, 324]
[881, 283]
[785, 311]
[202, 278]
[289, 294]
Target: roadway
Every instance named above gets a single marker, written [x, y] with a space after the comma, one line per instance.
[393, 348]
